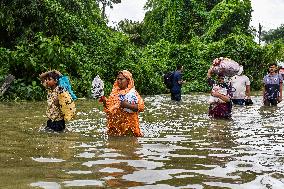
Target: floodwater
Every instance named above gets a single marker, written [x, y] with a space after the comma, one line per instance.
[182, 148]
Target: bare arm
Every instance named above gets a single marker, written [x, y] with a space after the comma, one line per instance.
[209, 72]
[248, 90]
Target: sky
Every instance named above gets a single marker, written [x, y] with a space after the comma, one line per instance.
[270, 13]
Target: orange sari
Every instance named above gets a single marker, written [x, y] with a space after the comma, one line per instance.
[120, 122]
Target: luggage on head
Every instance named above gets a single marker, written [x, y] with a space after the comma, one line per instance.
[226, 67]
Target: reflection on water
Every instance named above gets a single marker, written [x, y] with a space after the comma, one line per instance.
[182, 148]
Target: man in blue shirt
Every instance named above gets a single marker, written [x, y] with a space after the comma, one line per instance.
[177, 83]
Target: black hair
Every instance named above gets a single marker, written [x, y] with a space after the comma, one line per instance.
[272, 64]
[220, 75]
[179, 66]
[53, 75]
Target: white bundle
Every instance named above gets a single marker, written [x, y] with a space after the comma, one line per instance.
[130, 97]
[97, 87]
[213, 99]
[225, 66]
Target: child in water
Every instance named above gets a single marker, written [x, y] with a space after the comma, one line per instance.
[55, 115]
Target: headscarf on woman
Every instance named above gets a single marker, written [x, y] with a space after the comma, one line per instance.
[120, 122]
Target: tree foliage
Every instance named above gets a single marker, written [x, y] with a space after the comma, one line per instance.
[273, 35]
[107, 3]
[228, 17]
[72, 36]
[133, 29]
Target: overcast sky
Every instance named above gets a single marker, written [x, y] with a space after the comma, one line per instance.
[270, 13]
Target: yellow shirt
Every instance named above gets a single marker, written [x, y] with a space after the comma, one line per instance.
[53, 111]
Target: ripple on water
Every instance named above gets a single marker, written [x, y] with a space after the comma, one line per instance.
[47, 160]
[182, 148]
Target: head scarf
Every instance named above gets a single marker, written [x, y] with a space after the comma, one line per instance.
[113, 102]
[130, 80]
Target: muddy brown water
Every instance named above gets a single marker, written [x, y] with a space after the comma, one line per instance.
[182, 148]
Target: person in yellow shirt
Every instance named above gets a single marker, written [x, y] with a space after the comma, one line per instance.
[60, 105]
[53, 112]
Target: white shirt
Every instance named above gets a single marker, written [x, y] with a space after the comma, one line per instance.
[239, 83]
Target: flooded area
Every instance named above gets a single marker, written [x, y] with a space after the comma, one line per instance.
[182, 148]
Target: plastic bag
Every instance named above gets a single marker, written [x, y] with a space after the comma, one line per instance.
[97, 87]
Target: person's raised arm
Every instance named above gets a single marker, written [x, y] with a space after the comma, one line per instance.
[209, 72]
[210, 81]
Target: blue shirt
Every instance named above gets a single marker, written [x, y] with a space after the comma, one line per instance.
[176, 86]
[272, 85]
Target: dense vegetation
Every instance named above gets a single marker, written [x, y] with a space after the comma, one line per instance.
[72, 36]
[274, 35]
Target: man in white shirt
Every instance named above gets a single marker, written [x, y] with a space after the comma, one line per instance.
[241, 88]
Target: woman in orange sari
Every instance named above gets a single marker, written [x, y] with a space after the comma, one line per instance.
[122, 115]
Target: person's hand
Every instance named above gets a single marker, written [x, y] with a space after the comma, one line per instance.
[247, 97]
[279, 99]
[215, 94]
[124, 104]
[103, 99]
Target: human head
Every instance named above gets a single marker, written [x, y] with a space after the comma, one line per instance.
[221, 78]
[272, 68]
[124, 80]
[179, 67]
[51, 79]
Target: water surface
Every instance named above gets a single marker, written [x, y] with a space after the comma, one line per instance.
[182, 148]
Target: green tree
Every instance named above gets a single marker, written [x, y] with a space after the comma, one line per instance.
[107, 3]
[273, 35]
[133, 29]
[228, 17]
[176, 21]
